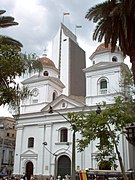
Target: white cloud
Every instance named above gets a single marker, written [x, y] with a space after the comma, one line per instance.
[39, 21]
[4, 112]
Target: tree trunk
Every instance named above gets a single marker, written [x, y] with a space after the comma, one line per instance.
[132, 60]
[121, 163]
[119, 156]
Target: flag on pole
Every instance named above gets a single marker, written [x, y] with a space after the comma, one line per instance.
[78, 26]
[66, 13]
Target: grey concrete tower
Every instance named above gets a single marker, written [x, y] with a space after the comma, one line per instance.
[69, 58]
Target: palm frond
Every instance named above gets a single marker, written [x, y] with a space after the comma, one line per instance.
[5, 40]
[2, 12]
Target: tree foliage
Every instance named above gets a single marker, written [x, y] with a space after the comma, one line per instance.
[7, 21]
[32, 63]
[13, 64]
[115, 23]
[105, 126]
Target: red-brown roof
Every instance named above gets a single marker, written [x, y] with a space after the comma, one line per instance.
[47, 62]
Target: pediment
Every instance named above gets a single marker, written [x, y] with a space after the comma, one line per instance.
[36, 79]
[64, 102]
[29, 153]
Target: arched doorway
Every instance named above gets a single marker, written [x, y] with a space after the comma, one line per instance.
[64, 166]
[29, 170]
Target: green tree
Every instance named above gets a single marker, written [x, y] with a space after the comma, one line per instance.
[106, 126]
[32, 63]
[14, 64]
[11, 65]
[115, 23]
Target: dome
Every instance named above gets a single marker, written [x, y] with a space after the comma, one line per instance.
[102, 47]
[47, 62]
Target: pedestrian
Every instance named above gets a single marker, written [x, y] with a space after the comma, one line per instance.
[31, 177]
[50, 177]
[35, 177]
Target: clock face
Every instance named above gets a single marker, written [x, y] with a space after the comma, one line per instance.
[35, 92]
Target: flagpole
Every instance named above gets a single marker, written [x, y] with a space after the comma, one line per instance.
[64, 14]
[60, 44]
[77, 26]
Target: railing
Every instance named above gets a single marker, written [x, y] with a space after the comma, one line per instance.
[103, 91]
[104, 174]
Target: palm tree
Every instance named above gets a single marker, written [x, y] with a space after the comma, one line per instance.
[6, 21]
[32, 63]
[115, 24]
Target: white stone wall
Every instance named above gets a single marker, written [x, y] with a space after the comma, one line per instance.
[92, 91]
[44, 127]
[106, 56]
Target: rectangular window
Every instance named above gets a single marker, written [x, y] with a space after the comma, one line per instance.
[103, 86]
[63, 135]
[10, 157]
[30, 142]
[3, 156]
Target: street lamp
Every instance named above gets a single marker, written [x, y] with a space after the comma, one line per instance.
[98, 111]
[73, 174]
[54, 154]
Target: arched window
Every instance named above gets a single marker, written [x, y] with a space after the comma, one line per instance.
[54, 95]
[46, 73]
[30, 142]
[114, 59]
[63, 135]
[64, 105]
[103, 86]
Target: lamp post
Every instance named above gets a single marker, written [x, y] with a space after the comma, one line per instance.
[73, 173]
[54, 154]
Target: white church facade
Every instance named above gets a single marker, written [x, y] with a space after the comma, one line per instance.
[44, 140]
